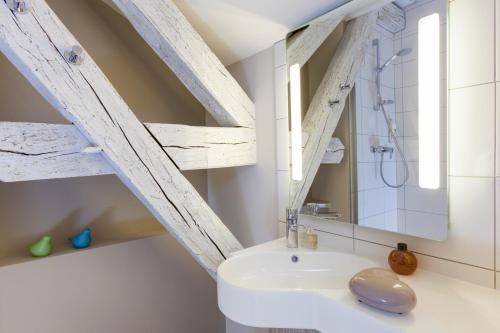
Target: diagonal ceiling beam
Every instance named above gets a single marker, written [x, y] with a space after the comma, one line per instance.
[303, 44]
[329, 100]
[170, 35]
[36, 43]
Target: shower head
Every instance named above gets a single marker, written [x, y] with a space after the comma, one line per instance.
[401, 53]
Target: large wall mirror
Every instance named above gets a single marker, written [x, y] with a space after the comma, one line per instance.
[385, 165]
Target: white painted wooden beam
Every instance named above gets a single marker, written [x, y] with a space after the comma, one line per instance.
[193, 147]
[329, 100]
[35, 151]
[334, 152]
[31, 151]
[302, 44]
[176, 42]
[36, 43]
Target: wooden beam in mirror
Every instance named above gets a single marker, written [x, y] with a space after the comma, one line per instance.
[329, 99]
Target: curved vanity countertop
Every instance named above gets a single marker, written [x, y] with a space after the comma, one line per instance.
[317, 295]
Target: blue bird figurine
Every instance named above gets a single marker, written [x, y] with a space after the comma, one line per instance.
[82, 240]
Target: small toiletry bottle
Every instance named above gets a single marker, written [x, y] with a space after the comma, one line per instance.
[310, 239]
[402, 261]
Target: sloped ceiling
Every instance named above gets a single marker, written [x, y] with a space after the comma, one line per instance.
[237, 29]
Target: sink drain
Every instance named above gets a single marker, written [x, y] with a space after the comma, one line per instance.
[295, 258]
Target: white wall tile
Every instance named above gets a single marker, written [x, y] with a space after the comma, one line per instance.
[398, 98]
[364, 142]
[472, 131]
[422, 224]
[391, 221]
[386, 47]
[420, 10]
[413, 179]
[411, 124]
[424, 200]
[371, 121]
[335, 242]
[410, 149]
[497, 165]
[470, 237]
[391, 198]
[456, 270]
[375, 252]
[387, 76]
[398, 75]
[361, 204]
[281, 92]
[497, 37]
[332, 227]
[283, 193]
[389, 170]
[472, 42]
[374, 202]
[410, 98]
[497, 222]
[281, 229]
[282, 145]
[280, 53]
[368, 94]
[368, 67]
[410, 73]
[373, 221]
[410, 42]
[369, 176]
[379, 254]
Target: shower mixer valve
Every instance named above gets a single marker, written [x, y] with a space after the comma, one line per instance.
[382, 150]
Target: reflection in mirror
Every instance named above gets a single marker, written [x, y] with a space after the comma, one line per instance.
[386, 164]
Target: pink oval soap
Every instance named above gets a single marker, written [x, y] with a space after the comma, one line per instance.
[383, 290]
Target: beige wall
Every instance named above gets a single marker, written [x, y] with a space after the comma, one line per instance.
[245, 198]
[332, 182]
[149, 285]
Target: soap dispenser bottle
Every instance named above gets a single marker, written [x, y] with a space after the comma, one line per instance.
[310, 239]
[402, 261]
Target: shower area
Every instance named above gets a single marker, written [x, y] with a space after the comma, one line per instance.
[385, 125]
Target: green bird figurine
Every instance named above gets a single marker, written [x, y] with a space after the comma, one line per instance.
[42, 248]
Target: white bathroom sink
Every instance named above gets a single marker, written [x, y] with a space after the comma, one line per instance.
[264, 286]
[273, 286]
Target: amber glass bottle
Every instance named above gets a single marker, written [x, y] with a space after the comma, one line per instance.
[402, 261]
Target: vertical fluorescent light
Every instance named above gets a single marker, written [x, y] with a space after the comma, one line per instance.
[429, 101]
[296, 121]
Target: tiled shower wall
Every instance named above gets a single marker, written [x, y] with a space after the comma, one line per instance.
[470, 252]
[377, 203]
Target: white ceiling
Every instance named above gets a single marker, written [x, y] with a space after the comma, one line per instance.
[237, 29]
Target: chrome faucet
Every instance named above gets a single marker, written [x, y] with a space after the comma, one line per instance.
[292, 228]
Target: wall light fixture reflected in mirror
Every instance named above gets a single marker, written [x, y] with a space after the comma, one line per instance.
[296, 121]
[429, 101]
